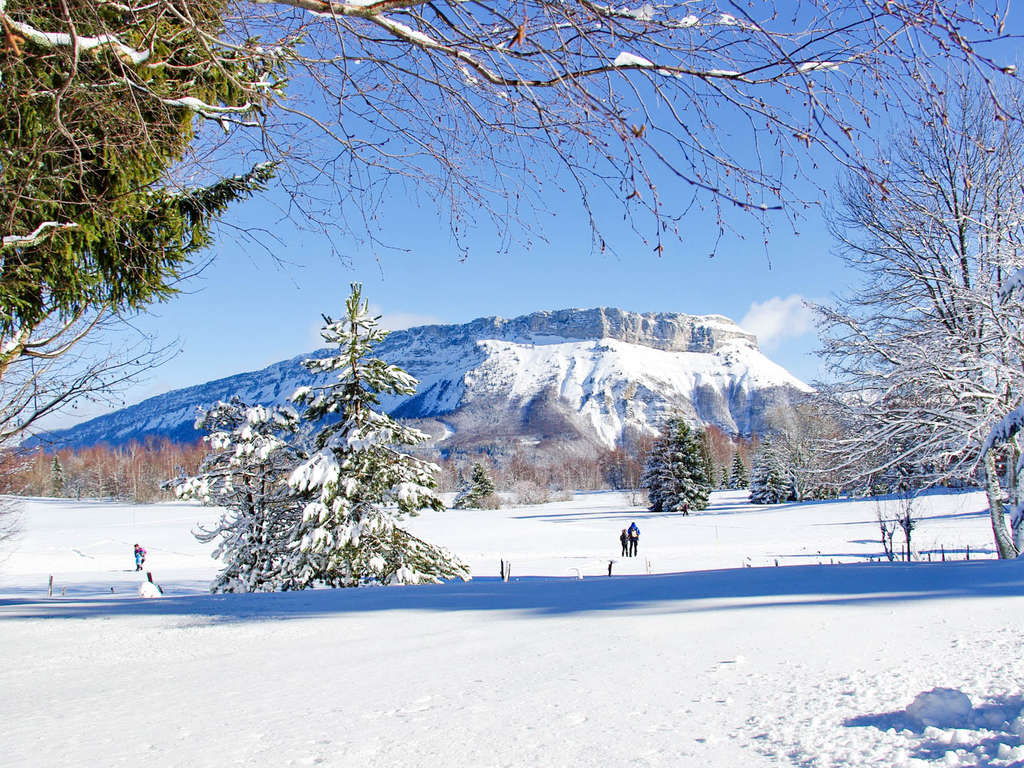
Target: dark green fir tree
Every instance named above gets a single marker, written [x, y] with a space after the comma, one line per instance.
[676, 473]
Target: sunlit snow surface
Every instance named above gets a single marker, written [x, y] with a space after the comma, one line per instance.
[705, 662]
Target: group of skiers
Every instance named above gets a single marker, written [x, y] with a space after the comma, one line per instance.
[629, 538]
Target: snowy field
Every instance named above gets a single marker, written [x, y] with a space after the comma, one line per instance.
[716, 658]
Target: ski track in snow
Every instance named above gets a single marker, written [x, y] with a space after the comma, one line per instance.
[705, 663]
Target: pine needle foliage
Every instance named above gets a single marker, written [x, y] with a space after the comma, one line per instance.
[738, 477]
[770, 483]
[88, 136]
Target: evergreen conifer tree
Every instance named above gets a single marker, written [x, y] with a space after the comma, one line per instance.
[654, 471]
[769, 482]
[246, 472]
[361, 486]
[676, 470]
[57, 480]
[738, 477]
[478, 492]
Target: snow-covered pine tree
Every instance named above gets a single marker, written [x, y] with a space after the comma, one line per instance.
[676, 470]
[360, 484]
[654, 471]
[58, 482]
[738, 477]
[479, 492]
[252, 453]
[769, 483]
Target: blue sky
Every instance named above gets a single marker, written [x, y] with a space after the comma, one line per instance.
[255, 305]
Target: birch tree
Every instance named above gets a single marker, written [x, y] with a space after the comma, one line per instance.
[482, 106]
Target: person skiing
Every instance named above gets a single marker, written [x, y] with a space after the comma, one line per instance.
[686, 507]
[634, 538]
[140, 557]
[624, 541]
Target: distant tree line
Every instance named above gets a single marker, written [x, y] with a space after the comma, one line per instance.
[525, 475]
[133, 472]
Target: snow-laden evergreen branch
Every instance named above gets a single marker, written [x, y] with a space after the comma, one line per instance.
[37, 235]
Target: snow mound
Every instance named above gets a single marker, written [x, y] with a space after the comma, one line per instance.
[149, 589]
[941, 707]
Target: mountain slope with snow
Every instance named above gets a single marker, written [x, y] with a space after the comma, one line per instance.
[573, 374]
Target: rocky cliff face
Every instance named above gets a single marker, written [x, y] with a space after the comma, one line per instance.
[671, 332]
[570, 374]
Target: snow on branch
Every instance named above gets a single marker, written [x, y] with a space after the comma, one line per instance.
[374, 13]
[1006, 429]
[817, 66]
[38, 234]
[1013, 283]
[81, 42]
[625, 59]
[202, 108]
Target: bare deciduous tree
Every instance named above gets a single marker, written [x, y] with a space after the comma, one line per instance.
[800, 441]
[62, 361]
[927, 356]
[479, 104]
[887, 529]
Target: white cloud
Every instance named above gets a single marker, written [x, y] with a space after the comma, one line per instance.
[777, 319]
[397, 321]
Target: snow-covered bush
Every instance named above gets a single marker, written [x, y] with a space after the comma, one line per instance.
[529, 492]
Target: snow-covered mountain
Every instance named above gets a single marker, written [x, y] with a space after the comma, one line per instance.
[571, 374]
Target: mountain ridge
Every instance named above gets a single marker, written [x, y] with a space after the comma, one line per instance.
[591, 374]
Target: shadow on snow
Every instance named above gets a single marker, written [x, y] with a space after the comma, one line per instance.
[736, 589]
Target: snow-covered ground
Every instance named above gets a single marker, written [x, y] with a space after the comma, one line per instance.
[704, 662]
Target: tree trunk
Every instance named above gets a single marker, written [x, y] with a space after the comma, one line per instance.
[1004, 542]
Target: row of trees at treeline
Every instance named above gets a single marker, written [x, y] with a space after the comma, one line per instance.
[527, 475]
[136, 472]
